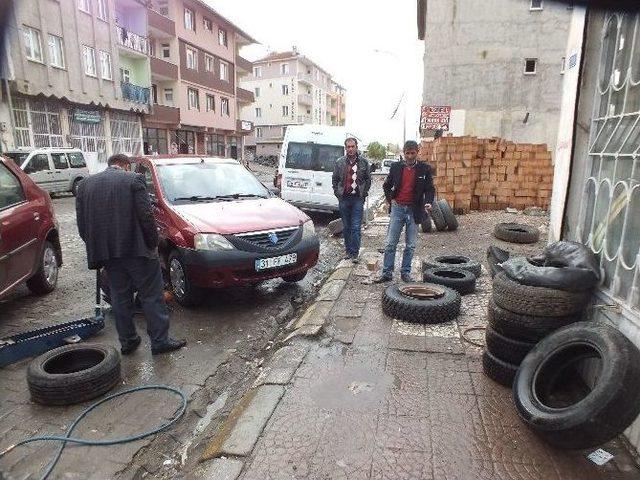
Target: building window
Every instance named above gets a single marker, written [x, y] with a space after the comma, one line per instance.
[89, 55]
[222, 37]
[84, 5]
[284, 69]
[105, 65]
[224, 106]
[154, 93]
[168, 96]
[530, 66]
[258, 132]
[102, 10]
[258, 112]
[194, 99]
[285, 111]
[155, 141]
[125, 75]
[536, 5]
[224, 71]
[189, 19]
[257, 71]
[192, 58]
[206, 23]
[256, 91]
[211, 103]
[33, 44]
[56, 51]
[166, 50]
[284, 131]
[563, 65]
[208, 63]
[285, 89]
[214, 144]
[185, 141]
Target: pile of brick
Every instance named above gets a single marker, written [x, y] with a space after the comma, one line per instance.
[489, 174]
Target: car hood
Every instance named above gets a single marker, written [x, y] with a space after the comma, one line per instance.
[240, 216]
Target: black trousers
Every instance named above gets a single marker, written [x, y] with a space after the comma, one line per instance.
[143, 275]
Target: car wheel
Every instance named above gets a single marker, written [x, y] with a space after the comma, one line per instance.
[295, 278]
[462, 281]
[421, 303]
[448, 215]
[45, 279]
[498, 370]
[73, 374]
[438, 217]
[516, 233]
[427, 226]
[506, 348]
[74, 187]
[185, 293]
[455, 261]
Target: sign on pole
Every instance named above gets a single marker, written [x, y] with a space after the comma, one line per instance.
[435, 117]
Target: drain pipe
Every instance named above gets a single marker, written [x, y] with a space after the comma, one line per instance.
[13, 129]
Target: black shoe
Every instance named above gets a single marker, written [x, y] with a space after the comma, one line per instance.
[170, 346]
[407, 278]
[383, 279]
[130, 347]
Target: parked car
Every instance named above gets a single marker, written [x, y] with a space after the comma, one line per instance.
[308, 155]
[220, 227]
[29, 239]
[55, 170]
[385, 166]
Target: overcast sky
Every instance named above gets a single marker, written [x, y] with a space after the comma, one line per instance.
[342, 36]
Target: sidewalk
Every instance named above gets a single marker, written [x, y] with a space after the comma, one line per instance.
[358, 395]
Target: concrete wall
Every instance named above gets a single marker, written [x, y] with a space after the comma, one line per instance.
[474, 61]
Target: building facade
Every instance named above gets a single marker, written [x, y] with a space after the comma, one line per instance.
[498, 64]
[195, 71]
[289, 89]
[75, 73]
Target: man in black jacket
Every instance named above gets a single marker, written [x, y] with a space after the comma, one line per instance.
[115, 220]
[409, 190]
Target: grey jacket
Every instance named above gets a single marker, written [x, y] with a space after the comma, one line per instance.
[363, 176]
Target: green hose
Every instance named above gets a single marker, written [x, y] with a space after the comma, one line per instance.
[68, 439]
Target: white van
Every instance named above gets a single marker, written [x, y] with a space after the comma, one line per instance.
[305, 168]
[54, 169]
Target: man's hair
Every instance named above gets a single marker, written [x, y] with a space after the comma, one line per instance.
[410, 145]
[118, 159]
[351, 139]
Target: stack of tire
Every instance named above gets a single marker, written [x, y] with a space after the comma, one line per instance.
[442, 216]
[453, 271]
[519, 317]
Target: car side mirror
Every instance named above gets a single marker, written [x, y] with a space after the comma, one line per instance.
[275, 191]
[375, 167]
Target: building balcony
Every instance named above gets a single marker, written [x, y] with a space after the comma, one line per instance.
[244, 96]
[305, 99]
[163, 70]
[135, 93]
[132, 42]
[160, 26]
[305, 119]
[273, 138]
[243, 65]
[305, 78]
[164, 114]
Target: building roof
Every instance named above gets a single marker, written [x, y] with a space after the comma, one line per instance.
[276, 56]
[225, 20]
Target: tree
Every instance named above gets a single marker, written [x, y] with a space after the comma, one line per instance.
[376, 151]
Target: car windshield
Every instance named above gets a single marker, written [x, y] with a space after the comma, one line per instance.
[17, 157]
[195, 182]
[312, 156]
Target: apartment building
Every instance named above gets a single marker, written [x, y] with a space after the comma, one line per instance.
[75, 73]
[498, 64]
[195, 71]
[289, 89]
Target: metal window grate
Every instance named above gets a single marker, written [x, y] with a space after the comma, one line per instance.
[37, 123]
[88, 137]
[610, 215]
[126, 133]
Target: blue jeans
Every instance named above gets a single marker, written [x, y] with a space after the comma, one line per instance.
[401, 216]
[144, 276]
[351, 208]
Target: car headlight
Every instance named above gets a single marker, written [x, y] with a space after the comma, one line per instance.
[308, 229]
[211, 241]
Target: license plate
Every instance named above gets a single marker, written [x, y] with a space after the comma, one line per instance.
[298, 184]
[274, 262]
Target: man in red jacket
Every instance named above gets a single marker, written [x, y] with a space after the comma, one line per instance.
[409, 190]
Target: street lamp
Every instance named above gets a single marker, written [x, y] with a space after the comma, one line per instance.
[402, 97]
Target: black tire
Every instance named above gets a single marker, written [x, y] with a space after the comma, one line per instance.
[549, 401]
[538, 301]
[507, 349]
[449, 217]
[460, 280]
[516, 233]
[435, 310]
[295, 278]
[73, 374]
[526, 328]
[186, 294]
[46, 277]
[498, 370]
[438, 217]
[453, 261]
[74, 186]
[426, 225]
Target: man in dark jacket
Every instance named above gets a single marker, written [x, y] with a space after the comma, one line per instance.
[409, 190]
[351, 182]
[115, 220]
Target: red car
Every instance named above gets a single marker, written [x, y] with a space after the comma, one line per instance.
[220, 227]
[29, 240]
